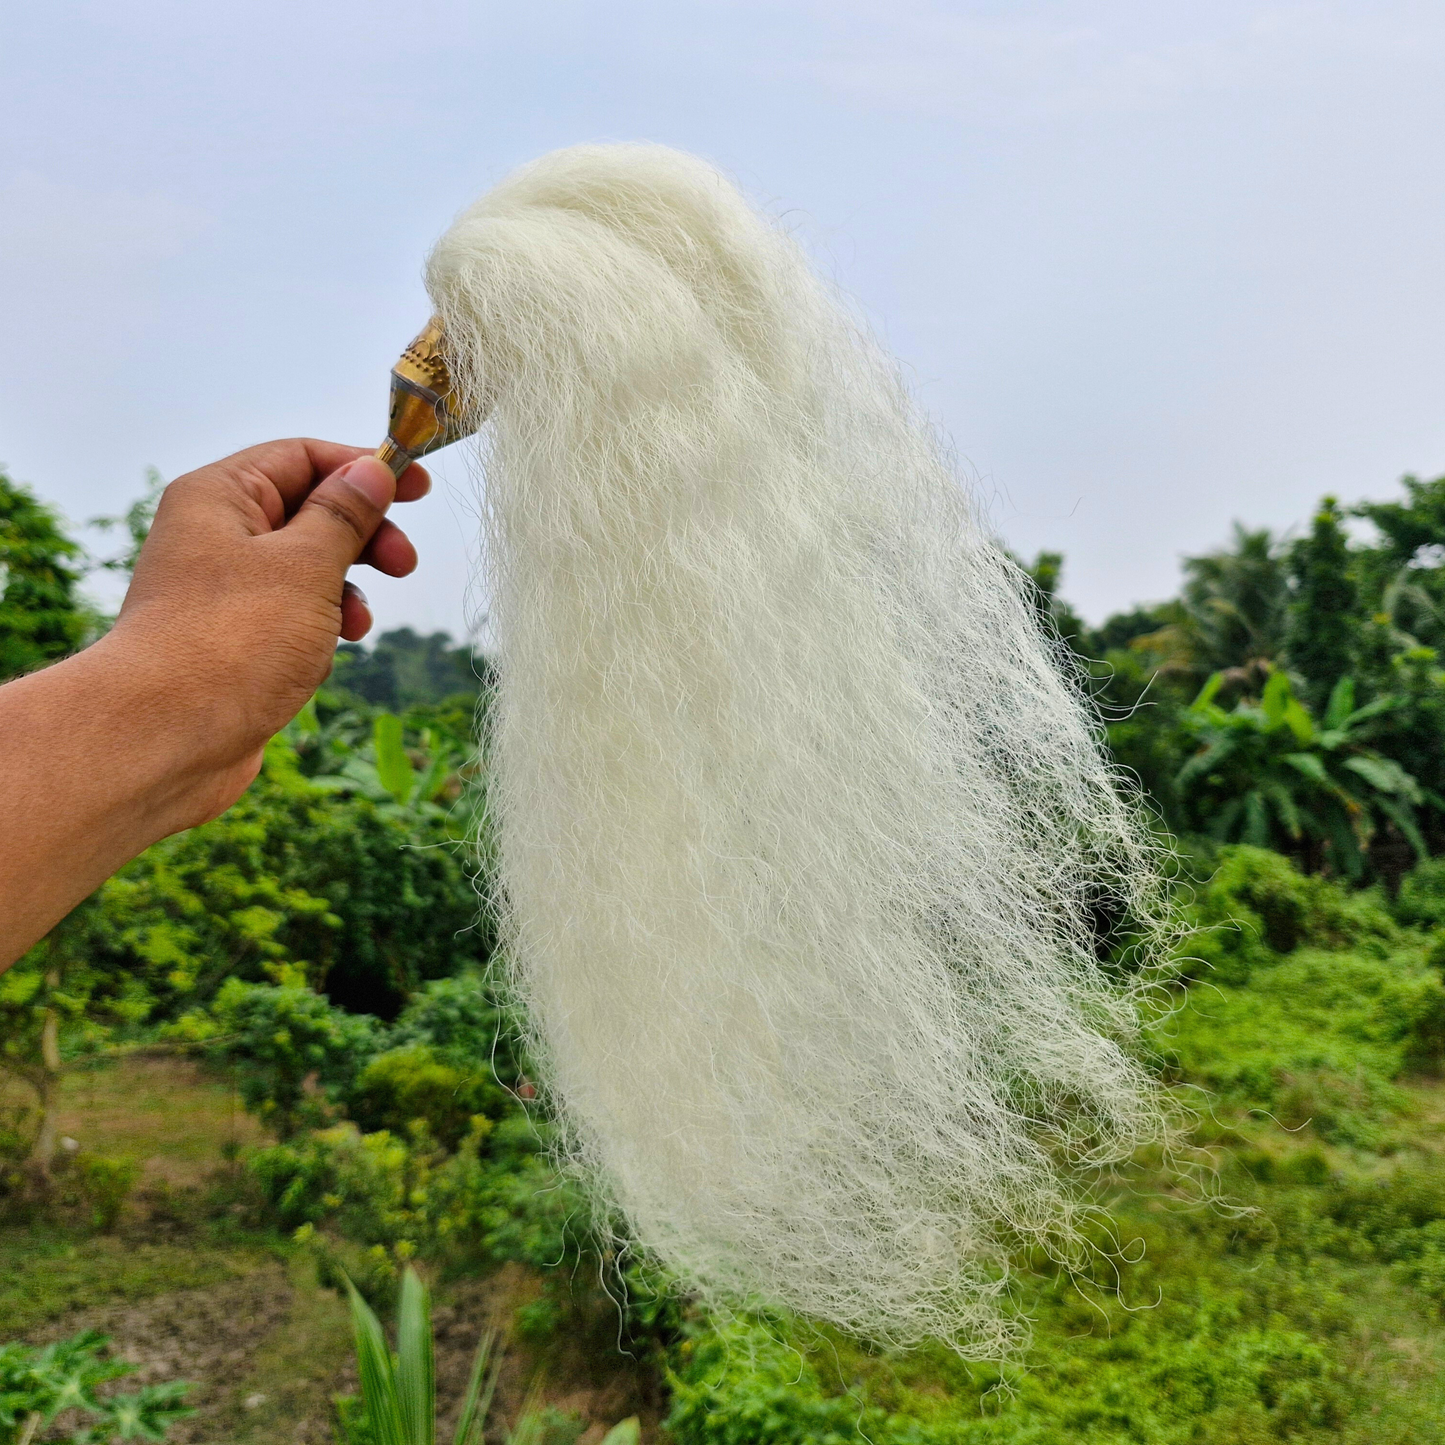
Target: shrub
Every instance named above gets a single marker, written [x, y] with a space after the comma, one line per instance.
[742, 1384]
[463, 1020]
[408, 911]
[410, 1085]
[1317, 1037]
[1258, 906]
[495, 1199]
[367, 905]
[366, 1186]
[1421, 900]
[450, 1059]
[291, 1049]
[104, 1186]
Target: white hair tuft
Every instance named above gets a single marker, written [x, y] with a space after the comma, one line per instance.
[804, 826]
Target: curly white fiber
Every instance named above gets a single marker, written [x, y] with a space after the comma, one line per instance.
[802, 824]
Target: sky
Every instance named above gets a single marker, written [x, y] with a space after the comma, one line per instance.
[1150, 268]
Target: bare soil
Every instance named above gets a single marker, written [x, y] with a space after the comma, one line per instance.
[208, 1336]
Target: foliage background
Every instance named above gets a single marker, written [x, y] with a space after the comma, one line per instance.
[322, 946]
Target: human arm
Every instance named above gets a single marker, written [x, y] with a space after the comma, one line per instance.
[230, 624]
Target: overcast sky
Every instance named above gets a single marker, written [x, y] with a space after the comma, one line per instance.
[1152, 267]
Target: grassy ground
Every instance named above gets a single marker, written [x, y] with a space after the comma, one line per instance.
[242, 1317]
[163, 1113]
[1313, 1311]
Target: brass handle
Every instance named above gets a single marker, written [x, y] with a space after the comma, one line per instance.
[424, 406]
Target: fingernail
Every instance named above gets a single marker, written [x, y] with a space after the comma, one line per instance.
[372, 478]
[358, 594]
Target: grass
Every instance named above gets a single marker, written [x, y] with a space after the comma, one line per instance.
[46, 1274]
[168, 1116]
[163, 1112]
[1288, 1323]
[1313, 1310]
[1318, 1038]
[296, 1369]
[176, 1120]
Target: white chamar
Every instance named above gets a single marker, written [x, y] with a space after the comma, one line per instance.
[804, 825]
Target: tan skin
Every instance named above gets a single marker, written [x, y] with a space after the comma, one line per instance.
[230, 624]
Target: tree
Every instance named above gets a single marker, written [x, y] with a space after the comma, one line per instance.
[368, 898]
[1412, 732]
[1046, 572]
[1409, 527]
[291, 1048]
[387, 774]
[1235, 600]
[42, 617]
[403, 668]
[135, 522]
[47, 1002]
[1320, 642]
[1229, 618]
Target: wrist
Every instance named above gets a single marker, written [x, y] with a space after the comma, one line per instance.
[99, 765]
[172, 745]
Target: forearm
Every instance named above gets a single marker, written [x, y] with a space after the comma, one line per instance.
[230, 624]
[96, 765]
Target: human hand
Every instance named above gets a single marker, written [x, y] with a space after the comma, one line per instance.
[239, 596]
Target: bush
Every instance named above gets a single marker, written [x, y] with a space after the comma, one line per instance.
[407, 910]
[366, 905]
[412, 1085]
[104, 1186]
[496, 1199]
[1421, 900]
[365, 1186]
[449, 1060]
[293, 1052]
[462, 1019]
[1319, 1037]
[1258, 906]
[743, 1385]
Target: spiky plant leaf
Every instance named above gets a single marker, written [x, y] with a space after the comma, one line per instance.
[480, 1388]
[415, 1366]
[378, 1374]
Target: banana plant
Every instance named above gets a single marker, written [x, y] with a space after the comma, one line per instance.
[398, 1391]
[1267, 774]
[388, 776]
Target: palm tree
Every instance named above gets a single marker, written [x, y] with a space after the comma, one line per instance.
[1231, 614]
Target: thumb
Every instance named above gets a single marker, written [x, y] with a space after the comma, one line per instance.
[339, 516]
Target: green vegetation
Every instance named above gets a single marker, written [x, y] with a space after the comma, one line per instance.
[402, 669]
[398, 1390]
[280, 1043]
[42, 615]
[38, 1385]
